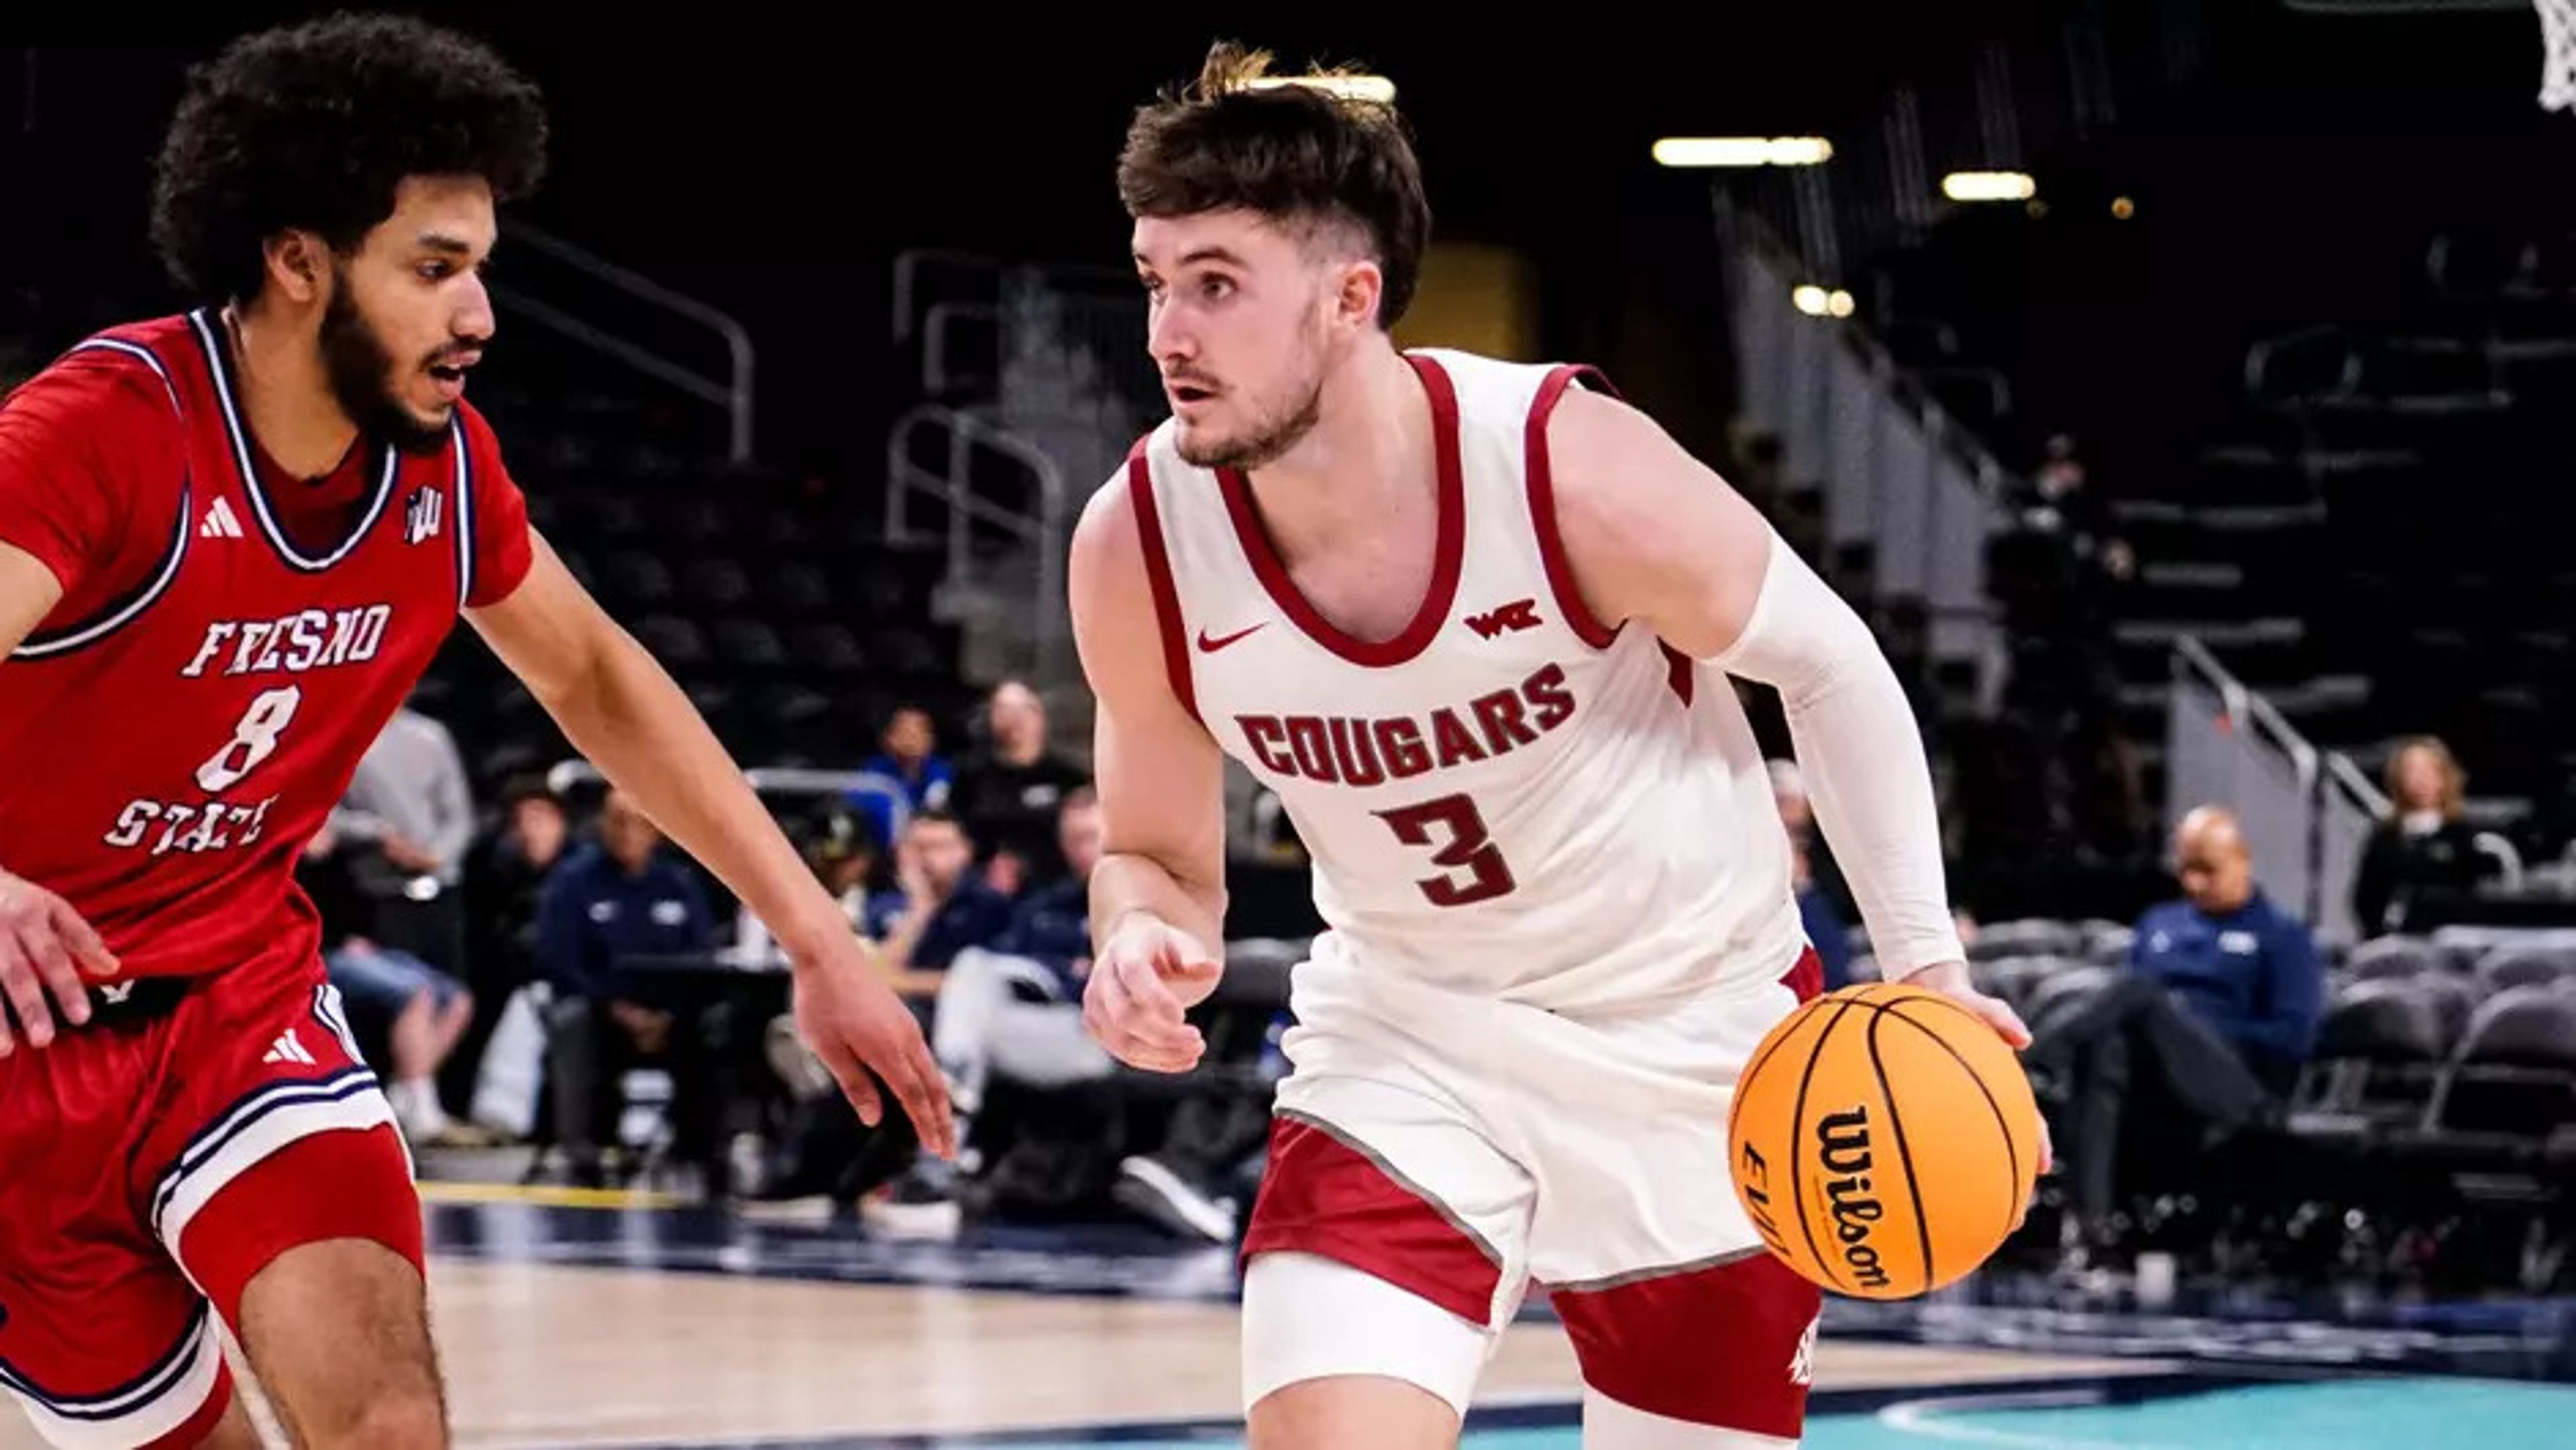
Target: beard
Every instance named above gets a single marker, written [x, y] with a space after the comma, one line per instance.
[361, 369]
[1270, 436]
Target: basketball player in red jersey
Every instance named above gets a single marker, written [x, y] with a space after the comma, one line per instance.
[230, 542]
[1473, 623]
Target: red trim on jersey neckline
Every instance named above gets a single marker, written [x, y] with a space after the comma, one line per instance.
[1448, 548]
[1542, 504]
[1158, 574]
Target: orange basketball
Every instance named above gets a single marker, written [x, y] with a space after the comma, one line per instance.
[1883, 1140]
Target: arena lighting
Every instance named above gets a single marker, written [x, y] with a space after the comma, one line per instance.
[1810, 299]
[1839, 303]
[1988, 186]
[1350, 88]
[1743, 151]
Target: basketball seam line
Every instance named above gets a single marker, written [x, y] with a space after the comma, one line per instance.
[1904, 1154]
[2012, 1156]
[1797, 1127]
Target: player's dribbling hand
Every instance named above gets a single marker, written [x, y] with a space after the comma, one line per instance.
[852, 1019]
[1951, 980]
[44, 945]
[1147, 977]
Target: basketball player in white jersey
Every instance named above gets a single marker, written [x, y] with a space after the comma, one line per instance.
[1473, 623]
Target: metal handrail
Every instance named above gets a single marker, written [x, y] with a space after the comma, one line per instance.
[2242, 703]
[733, 394]
[1044, 530]
[2347, 775]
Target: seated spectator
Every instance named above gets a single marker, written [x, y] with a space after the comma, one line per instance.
[424, 1010]
[1820, 912]
[907, 754]
[1008, 795]
[606, 903]
[2423, 851]
[942, 907]
[409, 806]
[2205, 1032]
[504, 876]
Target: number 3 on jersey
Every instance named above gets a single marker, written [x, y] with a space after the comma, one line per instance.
[254, 739]
[1469, 847]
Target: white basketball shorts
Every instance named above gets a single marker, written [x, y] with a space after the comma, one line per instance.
[1459, 1149]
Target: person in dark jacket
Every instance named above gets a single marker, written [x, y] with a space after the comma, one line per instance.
[603, 905]
[2201, 1038]
[2423, 852]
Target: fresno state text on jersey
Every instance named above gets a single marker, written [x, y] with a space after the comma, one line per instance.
[230, 640]
[1507, 796]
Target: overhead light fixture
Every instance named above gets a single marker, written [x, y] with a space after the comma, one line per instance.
[1818, 301]
[2122, 208]
[1350, 88]
[1743, 151]
[1989, 186]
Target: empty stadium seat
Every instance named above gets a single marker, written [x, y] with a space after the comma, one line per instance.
[2508, 967]
[795, 590]
[2059, 994]
[745, 643]
[826, 648]
[715, 584]
[675, 642]
[2377, 1058]
[2515, 1072]
[2393, 957]
[2034, 937]
[632, 582]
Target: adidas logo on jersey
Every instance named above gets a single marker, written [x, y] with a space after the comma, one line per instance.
[288, 1049]
[219, 522]
[1518, 615]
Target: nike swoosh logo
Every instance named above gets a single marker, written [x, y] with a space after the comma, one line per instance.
[1211, 646]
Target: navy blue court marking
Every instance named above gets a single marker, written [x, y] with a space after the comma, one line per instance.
[2111, 1389]
[2240, 1327]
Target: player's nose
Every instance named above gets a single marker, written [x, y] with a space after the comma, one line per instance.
[474, 317]
[1167, 338]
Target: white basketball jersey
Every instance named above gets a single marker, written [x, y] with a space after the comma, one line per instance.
[1506, 798]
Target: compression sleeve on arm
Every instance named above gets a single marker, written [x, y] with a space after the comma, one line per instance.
[1862, 756]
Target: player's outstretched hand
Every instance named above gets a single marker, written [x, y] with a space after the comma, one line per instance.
[44, 946]
[853, 1020]
[1148, 976]
[1951, 980]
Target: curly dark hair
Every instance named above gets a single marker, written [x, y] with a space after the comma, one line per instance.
[1296, 153]
[315, 125]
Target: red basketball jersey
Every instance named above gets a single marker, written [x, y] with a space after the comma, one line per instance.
[180, 727]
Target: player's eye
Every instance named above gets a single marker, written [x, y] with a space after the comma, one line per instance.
[1216, 289]
[435, 271]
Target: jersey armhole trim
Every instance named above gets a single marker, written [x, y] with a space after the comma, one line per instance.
[1542, 505]
[120, 612]
[1158, 574]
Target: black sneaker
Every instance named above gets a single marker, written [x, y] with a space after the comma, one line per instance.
[1163, 1197]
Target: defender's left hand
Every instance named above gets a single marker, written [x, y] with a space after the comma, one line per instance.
[1951, 980]
[850, 1016]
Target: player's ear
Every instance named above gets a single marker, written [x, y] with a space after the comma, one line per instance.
[299, 265]
[1355, 304]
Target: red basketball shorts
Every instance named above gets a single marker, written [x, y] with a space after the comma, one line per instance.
[1434, 1154]
[119, 1137]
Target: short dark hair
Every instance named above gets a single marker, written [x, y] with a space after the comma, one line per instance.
[316, 125]
[938, 816]
[1299, 154]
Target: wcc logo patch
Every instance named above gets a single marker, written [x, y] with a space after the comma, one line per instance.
[421, 514]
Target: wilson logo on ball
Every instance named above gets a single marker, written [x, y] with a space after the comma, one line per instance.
[1842, 1142]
